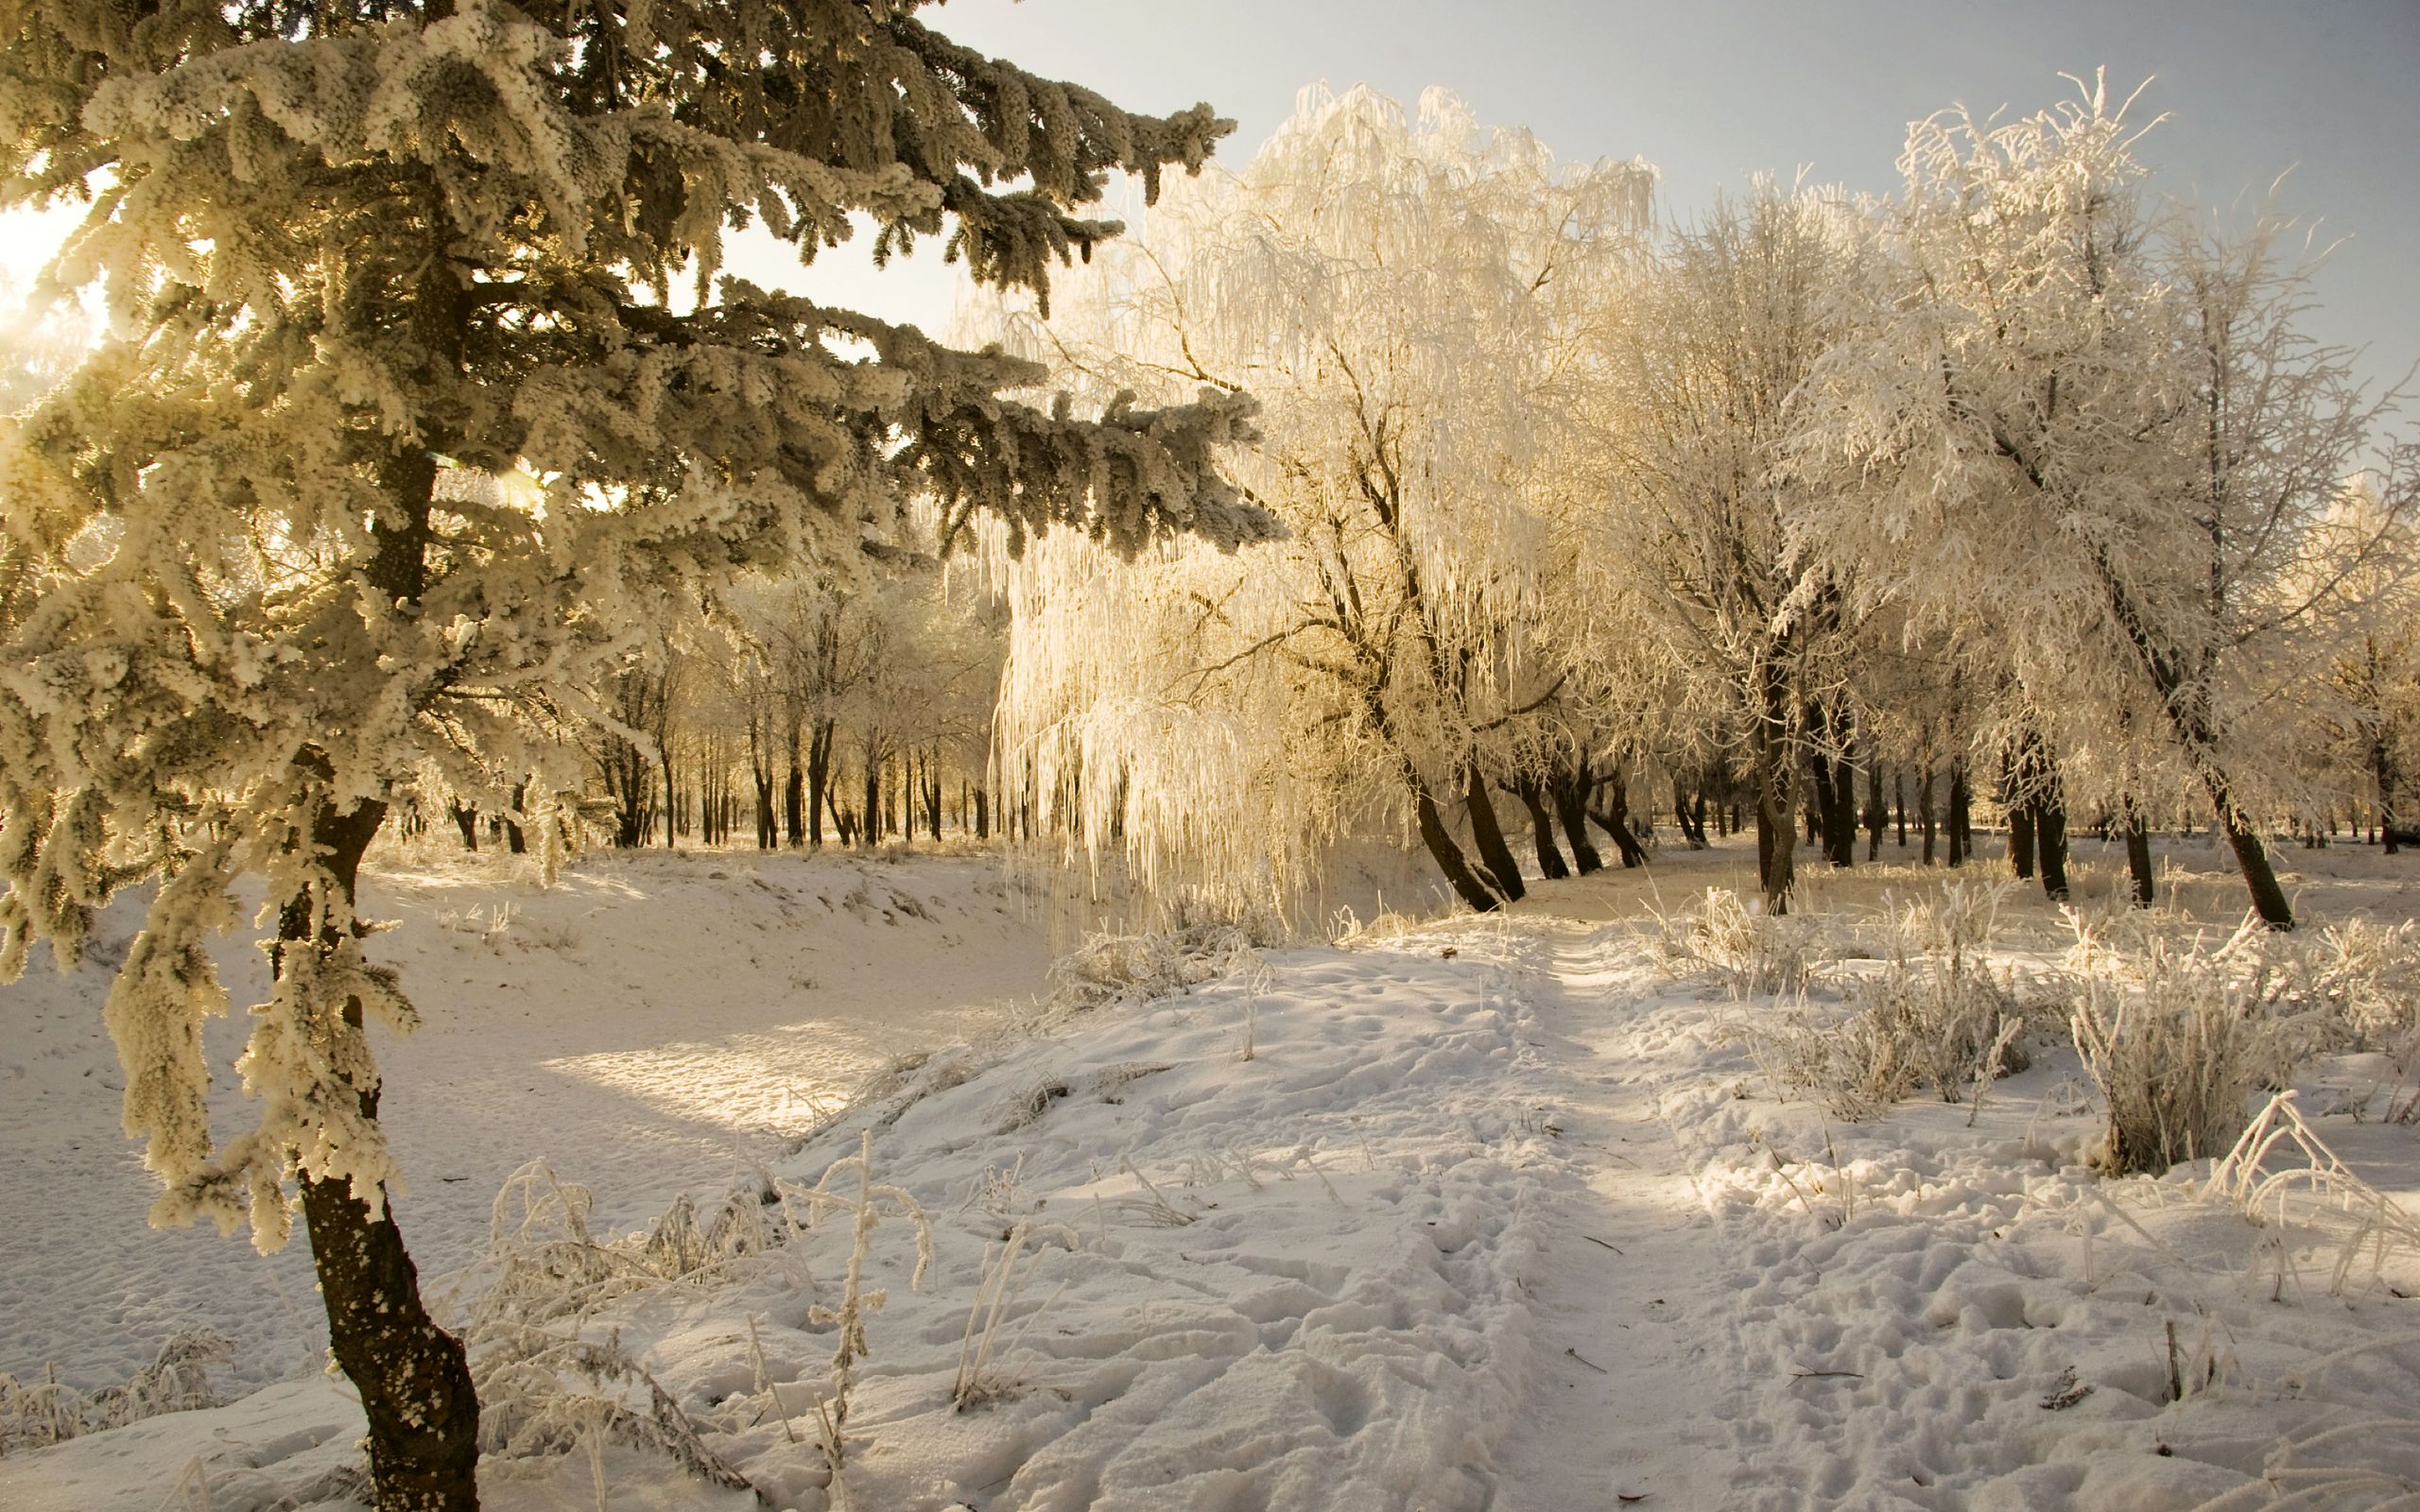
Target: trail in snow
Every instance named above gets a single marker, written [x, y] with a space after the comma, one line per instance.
[1626, 1392]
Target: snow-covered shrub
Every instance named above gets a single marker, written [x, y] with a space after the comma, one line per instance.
[1199, 945]
[36, 1413]
[2366, 976]
[2179, 1038]
[1751, 952]
[1934, 1014]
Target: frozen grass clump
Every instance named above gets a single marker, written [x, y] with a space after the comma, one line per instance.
[548, 1388]
[1200, 944]
[2366, 977]
[2179, 1038]
[1751, 952]
[2294, 1189]
[36, 1413]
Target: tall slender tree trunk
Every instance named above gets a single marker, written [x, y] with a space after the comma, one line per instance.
[413, 1379]
[1487, 837]
[2382, 772]
[1961, 816]
[1774, 768]
[1923, 810]
[466, 820]
[794, 784]
[1899, 796]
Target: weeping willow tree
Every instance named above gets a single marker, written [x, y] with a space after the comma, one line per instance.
[421, 405]
[1398, 291]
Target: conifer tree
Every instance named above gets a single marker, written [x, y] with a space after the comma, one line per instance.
[420, 406]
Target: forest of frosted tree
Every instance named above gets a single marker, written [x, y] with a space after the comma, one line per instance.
[412, 472]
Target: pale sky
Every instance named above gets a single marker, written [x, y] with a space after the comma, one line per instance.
[1712, 92]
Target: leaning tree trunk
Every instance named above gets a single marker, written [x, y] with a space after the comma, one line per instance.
[1532, 796]
[1614, 820]
[1448, 856]
[1487, 837]
[2259, 877]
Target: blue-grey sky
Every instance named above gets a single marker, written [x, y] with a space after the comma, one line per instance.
[1710, 93]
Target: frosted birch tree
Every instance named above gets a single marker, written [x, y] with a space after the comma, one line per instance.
[401, 429]
[2104, 443]
[1396, 290]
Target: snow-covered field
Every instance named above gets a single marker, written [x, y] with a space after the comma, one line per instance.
[1493, 1212]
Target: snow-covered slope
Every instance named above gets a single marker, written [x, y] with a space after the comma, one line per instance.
[651, 1024]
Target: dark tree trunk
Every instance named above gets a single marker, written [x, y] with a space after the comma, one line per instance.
[1569, 791]
[1899, 799]
[2259, 877]
[1923, 810]
[2040, 795]
[1532, 796]
[872, 830]
[1487, 837]
[2021, 838]
[2050, 844]
[819, 779]
[1877, 814]
[982, 814]
[1961, 816]
[794, 788]
[413, 1380]
[514, 840]
[1614, 820]
[2138, 855]
[1688, 817]
[466, 819]
[2382, 771]
[1448, 856]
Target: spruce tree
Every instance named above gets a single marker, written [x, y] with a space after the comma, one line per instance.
[422, 404]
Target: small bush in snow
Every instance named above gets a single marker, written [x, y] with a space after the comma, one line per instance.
[33, 1413]
[1200, 945]
[1751, 952]
[2179, 1038]
[1934, 1015]
[2366, 977]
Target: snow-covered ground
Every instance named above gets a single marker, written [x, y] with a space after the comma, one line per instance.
[651, 1024]
[1473, 1212]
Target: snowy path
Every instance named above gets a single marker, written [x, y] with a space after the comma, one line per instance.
[1623, 1391]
